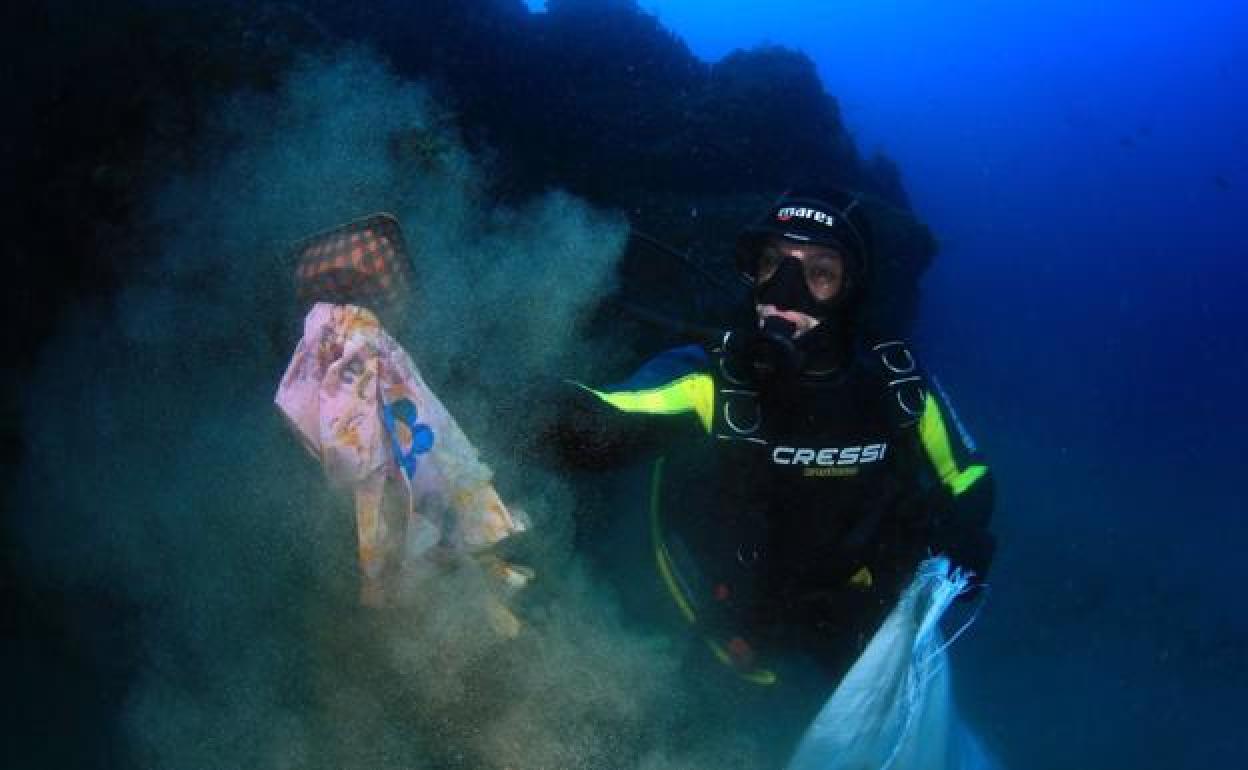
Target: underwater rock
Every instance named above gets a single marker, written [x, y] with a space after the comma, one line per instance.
[593, 96]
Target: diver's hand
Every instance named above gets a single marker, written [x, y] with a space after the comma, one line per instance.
[972, 549]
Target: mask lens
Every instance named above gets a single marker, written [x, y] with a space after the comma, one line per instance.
[822, 267]
[768, 263]
[824, 273]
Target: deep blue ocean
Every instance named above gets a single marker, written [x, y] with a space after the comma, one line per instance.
[179, 580]
[1085, 167]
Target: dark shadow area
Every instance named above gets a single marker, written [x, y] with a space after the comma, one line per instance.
[160, 608]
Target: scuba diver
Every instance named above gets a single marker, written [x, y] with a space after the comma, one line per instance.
[800, 472]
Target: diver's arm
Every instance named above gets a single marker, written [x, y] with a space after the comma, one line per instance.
[669, 398]
[963, 512]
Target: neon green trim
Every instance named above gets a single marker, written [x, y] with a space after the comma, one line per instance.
[862, 578]
[693, 392]
[661, 558]
[967, 478]
[719, 652]
[759, 676]
[935, 438]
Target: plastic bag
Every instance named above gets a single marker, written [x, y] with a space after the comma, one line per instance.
[894, 709]
[360, 406]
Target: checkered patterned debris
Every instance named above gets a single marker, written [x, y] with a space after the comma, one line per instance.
[361, 263]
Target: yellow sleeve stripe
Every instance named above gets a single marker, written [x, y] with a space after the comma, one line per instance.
[935, 438]
[964, 480]
[661, 557]
[663, 560]
[693, 392]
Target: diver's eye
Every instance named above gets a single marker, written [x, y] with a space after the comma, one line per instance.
[768, 263]
[823, 276]
[822, 285]
[819, 278]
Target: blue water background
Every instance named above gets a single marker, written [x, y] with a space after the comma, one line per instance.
[1085, 166]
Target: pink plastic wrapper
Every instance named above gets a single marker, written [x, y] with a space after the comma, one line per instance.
[360, 406]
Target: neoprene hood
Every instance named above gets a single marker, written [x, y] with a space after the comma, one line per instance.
[830, 217]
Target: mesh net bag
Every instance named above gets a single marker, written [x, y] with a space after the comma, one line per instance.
[363, 263]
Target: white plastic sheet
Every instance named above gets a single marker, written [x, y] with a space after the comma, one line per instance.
[894, 710]
[356, 399]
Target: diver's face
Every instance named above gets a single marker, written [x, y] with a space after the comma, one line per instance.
[823, 267]
[793, 277]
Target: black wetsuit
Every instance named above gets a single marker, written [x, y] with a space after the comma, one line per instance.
[788, 519]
